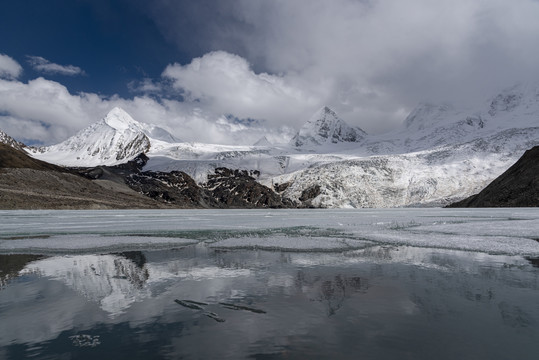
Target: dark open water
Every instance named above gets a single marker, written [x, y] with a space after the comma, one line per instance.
[391, 284]
[376, 303]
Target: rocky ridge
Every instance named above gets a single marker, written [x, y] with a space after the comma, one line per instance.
[225, 188]
[8, 140]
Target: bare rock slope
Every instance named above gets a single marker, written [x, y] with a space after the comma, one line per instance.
[517, 187]
[27, 183]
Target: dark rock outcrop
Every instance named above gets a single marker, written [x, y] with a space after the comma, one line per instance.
[239, 189]
[226, 188]
[174, 187]
[517, 187]
[310, 193]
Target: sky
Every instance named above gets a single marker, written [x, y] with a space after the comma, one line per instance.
[236, 70]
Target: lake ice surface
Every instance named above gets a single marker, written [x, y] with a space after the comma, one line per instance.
[494, 231]
[384, 284]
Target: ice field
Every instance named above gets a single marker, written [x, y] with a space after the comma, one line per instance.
[493, 231]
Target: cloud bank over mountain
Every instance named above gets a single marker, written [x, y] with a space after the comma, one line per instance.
[373, 52]
[262, 67]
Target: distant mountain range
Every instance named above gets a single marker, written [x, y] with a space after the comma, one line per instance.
[439, 155]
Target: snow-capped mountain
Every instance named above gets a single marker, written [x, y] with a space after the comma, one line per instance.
[325, 127]
[112, 281]
[117, 281]
[115, 139]
[440, 153]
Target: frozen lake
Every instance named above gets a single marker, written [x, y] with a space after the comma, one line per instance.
[234, 284]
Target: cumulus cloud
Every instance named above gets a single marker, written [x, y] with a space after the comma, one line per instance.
[376, 58]
[43, 65]
[9, 68]
[145, 86]
[225, 84]
[279, 61]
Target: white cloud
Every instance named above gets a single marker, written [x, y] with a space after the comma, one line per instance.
[45, 111]
[375, 57]
[9, 68]
[145, 86]
[223, 83]
[370, 60]
[45, 66]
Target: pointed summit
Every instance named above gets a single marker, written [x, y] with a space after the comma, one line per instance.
[114, 139]
[263, 141]
[325, 127]
[119, 119]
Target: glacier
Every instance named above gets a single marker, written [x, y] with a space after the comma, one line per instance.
[440, 153]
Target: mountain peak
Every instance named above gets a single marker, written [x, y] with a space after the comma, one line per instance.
[119, 119]
[325, 126]
[325, 110]
[263, 141]
[115, 139]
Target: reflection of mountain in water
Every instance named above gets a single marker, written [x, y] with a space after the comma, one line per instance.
[330, 291]
[113, 281]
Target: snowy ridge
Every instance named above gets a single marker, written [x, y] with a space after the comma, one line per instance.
[8, 140]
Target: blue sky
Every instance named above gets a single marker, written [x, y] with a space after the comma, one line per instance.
[197, 68]
[114, 42]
